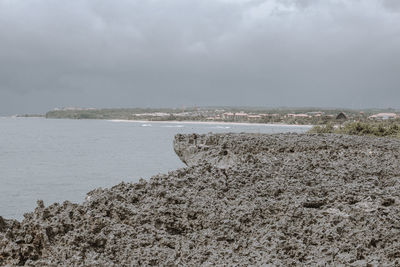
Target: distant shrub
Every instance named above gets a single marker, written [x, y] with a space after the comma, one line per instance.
[382, 129]
[357, 128]
[321, 129]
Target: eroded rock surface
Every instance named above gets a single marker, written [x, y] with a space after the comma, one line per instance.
[244, 199]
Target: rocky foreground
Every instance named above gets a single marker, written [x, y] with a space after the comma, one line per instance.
[244, 199]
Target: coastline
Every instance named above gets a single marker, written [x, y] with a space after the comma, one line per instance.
[175, 122]
[256, 192]
[216, 123]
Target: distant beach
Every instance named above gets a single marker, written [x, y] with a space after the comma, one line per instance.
[215, 123]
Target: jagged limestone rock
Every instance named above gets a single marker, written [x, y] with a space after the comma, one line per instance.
[244, 199]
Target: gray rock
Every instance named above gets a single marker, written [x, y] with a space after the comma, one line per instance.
[244, 199]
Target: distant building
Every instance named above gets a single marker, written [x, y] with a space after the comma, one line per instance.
[341, 116]
[240, 116]
[254, 117]
[384, 116]
[154, 114]
[72, 109]
[228, 115]
[297, 115]
[316, 113]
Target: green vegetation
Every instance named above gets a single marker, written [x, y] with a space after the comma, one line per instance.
[30, 115]
[298, 116]
[321, 129]
[381, 129]
[105, 114]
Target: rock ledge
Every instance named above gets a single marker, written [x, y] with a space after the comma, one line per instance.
[244, 199]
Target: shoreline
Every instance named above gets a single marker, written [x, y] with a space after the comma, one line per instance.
[254, 183]
[216, 123]
[175, 122]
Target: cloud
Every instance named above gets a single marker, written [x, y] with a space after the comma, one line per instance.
[175, 52]
[392, 5]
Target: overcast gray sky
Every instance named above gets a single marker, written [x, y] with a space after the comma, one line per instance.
[170, 53]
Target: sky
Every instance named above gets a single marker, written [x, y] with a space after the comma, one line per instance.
[174, 53]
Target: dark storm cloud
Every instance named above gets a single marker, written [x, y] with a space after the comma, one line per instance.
[187, 52]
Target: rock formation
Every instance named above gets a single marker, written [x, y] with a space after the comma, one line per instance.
[244, 199]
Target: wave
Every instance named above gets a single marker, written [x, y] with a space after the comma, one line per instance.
[121, 121]
[173, 126]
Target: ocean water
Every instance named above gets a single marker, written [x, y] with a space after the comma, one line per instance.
[57, 160]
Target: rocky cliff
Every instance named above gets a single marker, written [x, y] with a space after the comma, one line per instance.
[244, 199]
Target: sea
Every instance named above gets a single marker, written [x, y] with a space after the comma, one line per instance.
[55, 160]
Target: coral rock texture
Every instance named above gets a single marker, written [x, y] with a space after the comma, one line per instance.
[244, 199]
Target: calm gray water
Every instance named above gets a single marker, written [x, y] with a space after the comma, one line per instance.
[57, 160]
